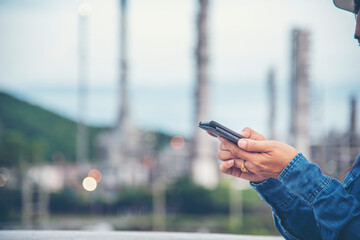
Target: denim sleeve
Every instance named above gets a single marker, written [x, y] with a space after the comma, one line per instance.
[336, 212]
[293, 217]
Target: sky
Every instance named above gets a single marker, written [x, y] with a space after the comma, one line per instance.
[39, 60]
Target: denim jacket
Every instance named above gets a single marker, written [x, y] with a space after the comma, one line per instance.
[309, 205]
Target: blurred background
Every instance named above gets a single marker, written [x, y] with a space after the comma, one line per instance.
[100, 102]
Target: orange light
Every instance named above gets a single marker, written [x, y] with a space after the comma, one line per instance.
[96, 174]
[177, 143]
[149, 162]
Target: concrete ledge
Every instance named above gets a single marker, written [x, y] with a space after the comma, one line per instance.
[118, 235]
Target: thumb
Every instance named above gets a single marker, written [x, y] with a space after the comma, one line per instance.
[251, 145]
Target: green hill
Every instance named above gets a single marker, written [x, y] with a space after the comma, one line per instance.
[32, 134]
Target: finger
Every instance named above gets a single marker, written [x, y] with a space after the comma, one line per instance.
[251, 134]
[235, 171]
[254, 145]
[225, 155]
[247, 164]
[238, 162]
[226, 166]
[240, 153]
[211, 134]
[223, 147]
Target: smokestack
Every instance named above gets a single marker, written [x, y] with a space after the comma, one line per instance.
[353, 138]
[272, 103]
[299, 132]
[85, 10]
[204, 168]
[353, 105]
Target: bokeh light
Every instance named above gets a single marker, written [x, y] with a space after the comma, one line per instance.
[149, 162]
[3, 180]
[95, 174]
[177, 142]
[89, 184]
[85, 9]
[4, 176]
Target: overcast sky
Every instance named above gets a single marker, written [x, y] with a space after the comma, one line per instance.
[38, 59]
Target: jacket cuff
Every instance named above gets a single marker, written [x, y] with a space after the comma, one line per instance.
[274, 193]
[304, 178]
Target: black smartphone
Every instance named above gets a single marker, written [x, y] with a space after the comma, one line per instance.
[221, 131]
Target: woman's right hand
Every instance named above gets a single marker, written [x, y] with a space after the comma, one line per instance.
[231, 164]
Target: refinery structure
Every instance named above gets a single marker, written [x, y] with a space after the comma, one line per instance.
[122, 162]
[120, 156]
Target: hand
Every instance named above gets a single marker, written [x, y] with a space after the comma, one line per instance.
[264, 158]
[231, 163]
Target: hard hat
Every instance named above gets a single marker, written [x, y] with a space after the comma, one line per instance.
[347, 5]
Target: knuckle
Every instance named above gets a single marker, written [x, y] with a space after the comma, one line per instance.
[250, 132]
[222, 146]
[246, 132]
[247, 129]
[219, 154]
[222, 168]
[235, 152]
[238, 163]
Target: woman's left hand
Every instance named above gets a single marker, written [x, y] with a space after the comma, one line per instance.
[263, 158]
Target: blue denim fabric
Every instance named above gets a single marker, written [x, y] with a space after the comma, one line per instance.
[309, 205]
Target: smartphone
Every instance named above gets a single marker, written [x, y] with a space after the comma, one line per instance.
[220, 131]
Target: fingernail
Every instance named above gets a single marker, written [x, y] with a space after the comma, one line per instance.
[231, 162]
[221, 139]
[242, 143]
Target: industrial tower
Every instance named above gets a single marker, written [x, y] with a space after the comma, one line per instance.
[272, 103]
[353, 136]
[119, 147]
[204, 168]
[299, 131]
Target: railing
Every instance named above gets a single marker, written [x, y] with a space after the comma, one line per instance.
[118, 235]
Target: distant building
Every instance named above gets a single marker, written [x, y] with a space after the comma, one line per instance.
[338, 151]
[174, 164]
[299, 130]
[127, 154]
[121, 161]
[121, 150]
[204, 165]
